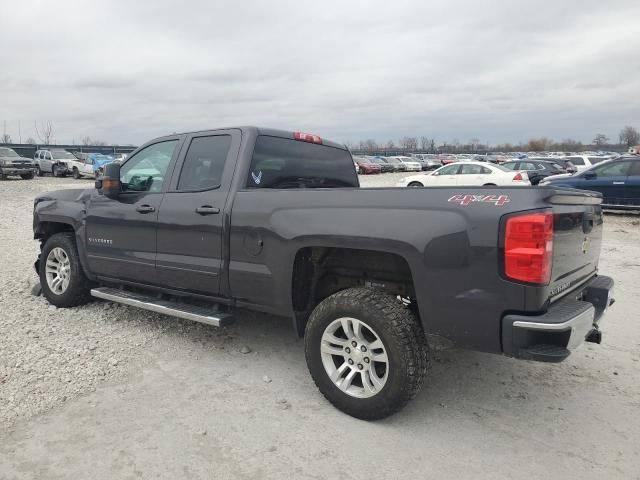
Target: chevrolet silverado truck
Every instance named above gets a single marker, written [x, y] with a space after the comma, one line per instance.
[200, 224]
[12, 164]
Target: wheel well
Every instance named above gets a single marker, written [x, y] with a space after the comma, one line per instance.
[47, 229]
[319, 272]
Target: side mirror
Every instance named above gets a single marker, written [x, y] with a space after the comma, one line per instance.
[109, 183]
[589, 175]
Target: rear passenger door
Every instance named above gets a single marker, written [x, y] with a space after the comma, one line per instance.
[632, 185]
[192, 219]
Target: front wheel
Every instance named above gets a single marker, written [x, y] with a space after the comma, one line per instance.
[39, 172]
[366, 352]
[415, 184]
[26, 176]
[76, 173]
[63, 281]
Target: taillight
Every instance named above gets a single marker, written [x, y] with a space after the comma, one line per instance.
[518, 177]
[528, 247]
[307, 137]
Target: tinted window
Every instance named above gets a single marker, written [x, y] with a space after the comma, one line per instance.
[147, 169]
[283, 163]
[615, 169]
[204, 162]
[510, 166]
[576, 160]
[635, 168]
[527, 166]
[471, 169]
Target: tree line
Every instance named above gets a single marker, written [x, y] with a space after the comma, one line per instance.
[628, 137]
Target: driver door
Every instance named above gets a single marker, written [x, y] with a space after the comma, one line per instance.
[121, 233]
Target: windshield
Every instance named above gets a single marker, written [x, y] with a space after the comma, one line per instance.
[8, 152]
[62, 154]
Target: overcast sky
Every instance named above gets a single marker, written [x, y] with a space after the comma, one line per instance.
[127, 71]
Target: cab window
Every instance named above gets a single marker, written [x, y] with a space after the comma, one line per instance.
[204, 163]
[146, 170]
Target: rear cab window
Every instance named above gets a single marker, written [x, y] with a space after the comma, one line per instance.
[282, 163]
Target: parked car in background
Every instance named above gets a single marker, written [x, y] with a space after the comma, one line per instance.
[88, 164]
[366, 166]
[397, 165]
[447, 158]
[466, 174]
[583, 162]
[536, 169]
[384, 166]
[54, 161]
[410, 164]
[617, 180]
[568, 166]
[12, 164]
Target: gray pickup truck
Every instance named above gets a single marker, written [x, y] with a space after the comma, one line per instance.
[12, 164]
[197, 225]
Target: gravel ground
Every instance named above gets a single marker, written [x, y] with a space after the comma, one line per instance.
[109, 391]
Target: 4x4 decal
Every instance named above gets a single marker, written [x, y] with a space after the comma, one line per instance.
[464, 200]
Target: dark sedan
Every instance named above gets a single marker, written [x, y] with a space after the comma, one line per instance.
[536, 169]
[618, 181]
[384, 166]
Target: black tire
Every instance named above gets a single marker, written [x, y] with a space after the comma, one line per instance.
[53, 171]
[78, 291]
[39, 172]
[415, 184]
[26, 176]
[76, 173]
[402, 336]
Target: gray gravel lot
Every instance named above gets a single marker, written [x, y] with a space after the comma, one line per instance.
[108, 391]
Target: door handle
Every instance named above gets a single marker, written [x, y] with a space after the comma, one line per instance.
[145, 209]
[207, 210]
[618, 183]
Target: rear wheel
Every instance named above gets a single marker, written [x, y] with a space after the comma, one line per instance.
[39, 172]
[76, 173]
[366, 352]
[415, 184]
[63, 281]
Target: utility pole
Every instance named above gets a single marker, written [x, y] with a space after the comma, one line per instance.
[19, 133]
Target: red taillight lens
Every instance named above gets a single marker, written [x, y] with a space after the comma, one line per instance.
[528, 248]
[307, 137]
[518, 178]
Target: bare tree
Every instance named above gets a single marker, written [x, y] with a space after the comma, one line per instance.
[474, 143]
[539, 144]
[629, 136]
[30, 141]
[391, 145]
[369, 145]
[6, 138]
[424, 142]
[86, 140]
[45, 132]
[409, 143]
[432, 145]
[600, 139]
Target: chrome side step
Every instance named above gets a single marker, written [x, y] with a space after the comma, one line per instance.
[180, 310]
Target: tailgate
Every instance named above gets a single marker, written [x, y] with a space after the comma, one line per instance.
[577, 239]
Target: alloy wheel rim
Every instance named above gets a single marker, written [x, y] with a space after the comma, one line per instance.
[58, 271]
[354, 357]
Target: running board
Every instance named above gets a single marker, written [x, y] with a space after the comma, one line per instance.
[180, 310]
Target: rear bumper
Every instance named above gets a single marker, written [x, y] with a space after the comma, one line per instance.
[550, 337]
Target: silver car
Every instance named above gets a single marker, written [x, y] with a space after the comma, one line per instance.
[54, 161]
